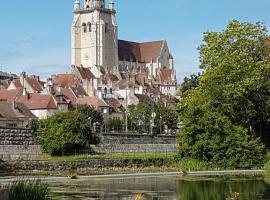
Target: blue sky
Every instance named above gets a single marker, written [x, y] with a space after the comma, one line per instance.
[35, 35]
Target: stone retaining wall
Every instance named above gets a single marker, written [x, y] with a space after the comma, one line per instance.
[83, 164]
[19, 152]
[16, 136]
[4, 194]
[137, 139]
[135, 148]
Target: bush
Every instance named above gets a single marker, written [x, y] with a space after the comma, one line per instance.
[64, 132]
[214, 139]
[26, 190]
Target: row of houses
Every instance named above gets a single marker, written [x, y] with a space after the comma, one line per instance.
[27, 97]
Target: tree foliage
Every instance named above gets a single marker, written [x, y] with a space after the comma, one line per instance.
[230, 106]
[190, 83]
[66, 131]
[140, 116]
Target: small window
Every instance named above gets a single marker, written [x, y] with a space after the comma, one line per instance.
[106, 28]
[89, 27]
[84, 27]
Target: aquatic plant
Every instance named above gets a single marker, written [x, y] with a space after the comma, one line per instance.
[26, 190]
[188, 164]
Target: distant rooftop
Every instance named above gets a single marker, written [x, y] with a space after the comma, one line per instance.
[7, 75]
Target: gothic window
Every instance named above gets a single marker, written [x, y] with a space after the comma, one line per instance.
[84, 27]
[89, 27]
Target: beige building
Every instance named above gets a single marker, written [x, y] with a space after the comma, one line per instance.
[95, 46]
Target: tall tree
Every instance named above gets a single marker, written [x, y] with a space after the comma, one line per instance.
[232, 95]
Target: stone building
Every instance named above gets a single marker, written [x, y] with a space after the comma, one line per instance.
[15, 115]
[95, 46]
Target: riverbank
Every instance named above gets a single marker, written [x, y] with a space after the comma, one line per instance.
[4, 180]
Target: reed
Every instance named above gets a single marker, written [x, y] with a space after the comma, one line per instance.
[26, 190]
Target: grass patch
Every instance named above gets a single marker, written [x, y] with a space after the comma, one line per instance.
[120, 156]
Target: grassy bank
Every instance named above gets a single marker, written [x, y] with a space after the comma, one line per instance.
[120, 156]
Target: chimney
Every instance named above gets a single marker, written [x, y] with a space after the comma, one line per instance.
[22, 80]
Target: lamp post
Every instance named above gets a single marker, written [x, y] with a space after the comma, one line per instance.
[126, 117]
[152, 123]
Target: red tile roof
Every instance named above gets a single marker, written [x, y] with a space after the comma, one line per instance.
[92, 101]
[9, 95]
[141, 52]
[17, 83]
[65, 80]
[9, 111]
[68, 94]
[85, 73]
[113, 103]
[4, 83]
[34, 83]
[166, 75]
[36, 101]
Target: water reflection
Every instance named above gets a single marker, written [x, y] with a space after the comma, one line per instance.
[162, 189]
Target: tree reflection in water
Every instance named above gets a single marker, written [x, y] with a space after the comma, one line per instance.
[221, 189]
[163, 188]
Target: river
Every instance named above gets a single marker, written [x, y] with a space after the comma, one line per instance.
[163, 188]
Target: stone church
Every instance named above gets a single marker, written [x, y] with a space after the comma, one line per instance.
[147, 66]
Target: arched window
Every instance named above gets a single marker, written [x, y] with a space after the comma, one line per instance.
[84, 27]
[89, 27]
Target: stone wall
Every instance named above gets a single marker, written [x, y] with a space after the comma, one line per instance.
[19, 152]
[84, 164]
[4, 194]
[137, 139]
[135, 148]
[16, 136]
[17, 144]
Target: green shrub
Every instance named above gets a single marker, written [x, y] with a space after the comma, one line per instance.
[29, 190]
[216, 140]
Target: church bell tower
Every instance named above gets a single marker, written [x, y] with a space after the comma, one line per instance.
[94, 35]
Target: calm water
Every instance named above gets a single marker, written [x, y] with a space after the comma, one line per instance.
[172, 188]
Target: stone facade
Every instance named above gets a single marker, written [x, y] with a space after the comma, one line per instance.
[94, 36]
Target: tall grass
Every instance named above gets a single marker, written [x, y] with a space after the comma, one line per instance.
[29, 190]
[188, 164]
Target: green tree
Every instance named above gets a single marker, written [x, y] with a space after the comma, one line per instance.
[90, 113]
[63, 131]
[139, 116]
[230, 105]
[190, 83]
